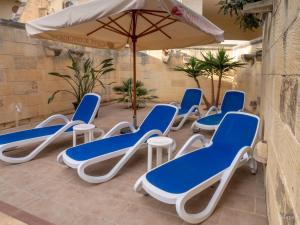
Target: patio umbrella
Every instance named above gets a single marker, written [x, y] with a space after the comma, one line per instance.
[114, 24]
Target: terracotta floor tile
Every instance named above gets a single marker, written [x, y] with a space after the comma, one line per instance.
[55, 193]
[237, 201]
[137, 215]
[52, 212]
[17, 197]
[260, 206]
[7, 220]
[235, 217]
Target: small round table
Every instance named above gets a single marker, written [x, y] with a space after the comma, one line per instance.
[159, 143]
[86, 129]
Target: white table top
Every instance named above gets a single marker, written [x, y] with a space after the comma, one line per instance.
[84, 127]
[160, 141]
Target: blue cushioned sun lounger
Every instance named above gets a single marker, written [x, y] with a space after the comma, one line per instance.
[179, 180]
[233, 101]
[188, 106]
[46, 133]
[157, 122]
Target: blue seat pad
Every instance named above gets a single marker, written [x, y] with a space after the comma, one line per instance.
[184, 173]
[29, 134]
[158, 119]
[180, 175]
[104, 146]
[211, 120]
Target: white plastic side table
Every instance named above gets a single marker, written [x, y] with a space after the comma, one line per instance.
[159, 143]
[86, 129]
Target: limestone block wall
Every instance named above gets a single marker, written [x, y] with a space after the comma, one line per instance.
[26, 62]
[24, 80]
[248, 78]
[155, 74]
[281, 111]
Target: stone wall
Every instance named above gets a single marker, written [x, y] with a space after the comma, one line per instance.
[281, 111]
[24, 80]
[26, 62]
[248, 78]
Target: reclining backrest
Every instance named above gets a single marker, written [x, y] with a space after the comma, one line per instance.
[87, 108]
[160, 118]
[192, 96]
[236, 130]
[233, 101]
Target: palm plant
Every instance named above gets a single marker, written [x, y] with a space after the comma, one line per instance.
[222, 64]
[142, 94]
[194, 68]
[85, 78]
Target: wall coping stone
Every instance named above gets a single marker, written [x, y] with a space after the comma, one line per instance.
[11, 23]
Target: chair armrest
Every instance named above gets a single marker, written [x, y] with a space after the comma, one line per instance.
[211, 109]
[118, 127]
[192, 139]
[146, 136]
[102, 133]
[193, 108]
[52, 118]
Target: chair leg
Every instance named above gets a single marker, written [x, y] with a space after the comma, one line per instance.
[253, 166]
[204, 214]
[182, 121]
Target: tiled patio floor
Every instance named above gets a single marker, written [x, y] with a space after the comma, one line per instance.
[54, 193]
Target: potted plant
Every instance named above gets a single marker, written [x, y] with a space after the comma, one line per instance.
[85, 78]
[142, 94]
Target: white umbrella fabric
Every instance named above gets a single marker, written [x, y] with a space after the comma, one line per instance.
[113, 24]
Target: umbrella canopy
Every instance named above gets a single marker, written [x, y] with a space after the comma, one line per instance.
[113, 24]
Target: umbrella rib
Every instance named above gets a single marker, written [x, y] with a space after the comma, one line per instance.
[130, 28]
[122, 28]
[113, 29]
[155, 30]
[158, 22]
[105, 24]
[155, 25]
[153, 14]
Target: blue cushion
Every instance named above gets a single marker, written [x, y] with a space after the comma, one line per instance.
[184, 173]
[236, 130]
[211, 120]
[233, 101]
[86, 108]
[191, 97]
[29, 134]
[102, 147]
[159, 118]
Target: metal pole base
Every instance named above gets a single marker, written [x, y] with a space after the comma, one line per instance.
[134, 121]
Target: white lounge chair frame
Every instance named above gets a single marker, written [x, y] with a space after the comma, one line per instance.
[179, 200]
[192, 111]
[127, 153]
[216, 110]
[46, 140]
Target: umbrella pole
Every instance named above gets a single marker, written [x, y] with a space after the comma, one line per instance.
[134, 40]
[134, 105]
